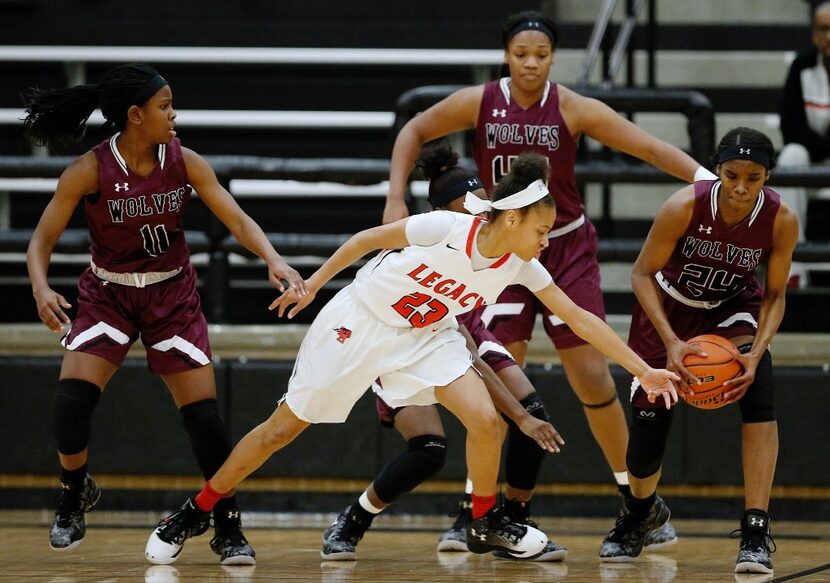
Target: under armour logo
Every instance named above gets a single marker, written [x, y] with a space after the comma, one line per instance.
[472, 182]
[745, 151]
[648, 414]
[499, 113]
[121, 186]
[702, 229]
[343, 334]
[533, 24]
[756, 521]
[233, 514]
[482, 537]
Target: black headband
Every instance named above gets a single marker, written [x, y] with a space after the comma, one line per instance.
[148, 90]
[530, 25]
[745, 152]
[457, 190]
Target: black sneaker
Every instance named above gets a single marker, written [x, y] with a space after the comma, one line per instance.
[455, 539]
[229, 543]
[519, 512]
[166, 542]
[625, 541]
[757, 545]
[494, 531]
[69, 528]
[342, 536]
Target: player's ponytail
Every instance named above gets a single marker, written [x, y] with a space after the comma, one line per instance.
[524, 170]
[61, 114]
[447, 180]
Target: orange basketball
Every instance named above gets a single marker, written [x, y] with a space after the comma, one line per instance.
[718, 366]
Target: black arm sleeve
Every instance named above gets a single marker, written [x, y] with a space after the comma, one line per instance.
[794, 124]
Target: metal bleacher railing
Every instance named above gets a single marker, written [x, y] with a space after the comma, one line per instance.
[248, 176]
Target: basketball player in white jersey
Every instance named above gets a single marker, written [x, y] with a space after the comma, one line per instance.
[396, 322]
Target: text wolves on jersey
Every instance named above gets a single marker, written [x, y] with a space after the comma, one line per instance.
[522, 134]
[137, 206]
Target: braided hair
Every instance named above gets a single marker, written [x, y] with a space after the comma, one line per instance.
[61, 114]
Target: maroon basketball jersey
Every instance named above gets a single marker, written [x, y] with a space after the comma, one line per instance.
[713, 261]
[505, 130]
[135, 222]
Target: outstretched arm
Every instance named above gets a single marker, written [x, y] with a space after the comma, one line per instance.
[456, 113]
[542, 432]
[593, 118]
[392, 236]
[655, 382]
[241, 226]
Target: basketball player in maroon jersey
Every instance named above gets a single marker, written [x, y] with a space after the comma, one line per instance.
[525, 112]
[422, 428]
[695, 275]
[135, 187]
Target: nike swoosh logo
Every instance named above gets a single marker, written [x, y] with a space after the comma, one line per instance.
[451, 247]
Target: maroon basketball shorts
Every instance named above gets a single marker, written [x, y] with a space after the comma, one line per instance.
[572, 261]
[166, 315]
[735, 317]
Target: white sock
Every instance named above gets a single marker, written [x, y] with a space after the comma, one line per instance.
[621, 478]
[468, 487]
[368, 506]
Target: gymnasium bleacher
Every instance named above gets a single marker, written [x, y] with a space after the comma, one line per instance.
[734, 53]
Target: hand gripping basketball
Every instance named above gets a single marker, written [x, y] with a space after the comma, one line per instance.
[718, 366]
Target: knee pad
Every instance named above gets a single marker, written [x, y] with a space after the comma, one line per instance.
[758, 403]
[647, 440]
[424, 456]
[524, 456]
[72, 414]
[208, 435]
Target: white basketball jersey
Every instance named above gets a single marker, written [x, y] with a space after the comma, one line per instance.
[423, 286]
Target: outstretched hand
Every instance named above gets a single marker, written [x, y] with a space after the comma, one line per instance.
[542, 432]
[657, 382]
[293, 297]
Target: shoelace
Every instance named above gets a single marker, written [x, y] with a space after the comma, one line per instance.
[766, 539]
[625, 524]
[509, 530]
[68, 506]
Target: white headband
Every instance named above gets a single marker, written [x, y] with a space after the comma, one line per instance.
[536, 191]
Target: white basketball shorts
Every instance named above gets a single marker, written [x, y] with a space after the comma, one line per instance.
[347, 347]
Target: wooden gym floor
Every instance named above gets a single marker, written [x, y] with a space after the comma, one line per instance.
[398, 548]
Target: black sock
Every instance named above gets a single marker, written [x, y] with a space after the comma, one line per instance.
[74, 478]
[640, 507]
[222, 506]
[625, 491]
[363, 516]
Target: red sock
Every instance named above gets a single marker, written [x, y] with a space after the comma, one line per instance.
[207, 498]
[482, 505]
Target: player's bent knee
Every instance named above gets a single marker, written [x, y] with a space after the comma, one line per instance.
[647, 440]
[72, 414]
[758, 403]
